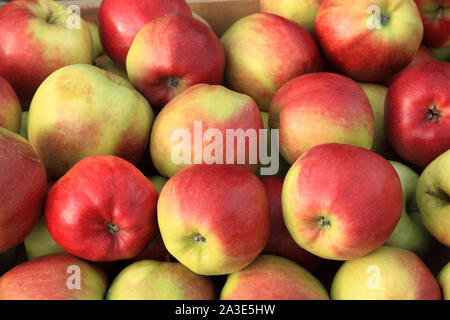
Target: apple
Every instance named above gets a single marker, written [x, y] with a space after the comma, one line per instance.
[103, 209]
[442, 54]
[24, 125]
[81, 110]
[301, 11]
[53, 277]
[96, 42]
[433, 198]
[155, 250]
[320, 108]
[10, 109]
[39, 37]
[121, 20]
[436, 21]
[158, 182]
[179, 136]
[200, 18]
[369, 40]
[8, 259]
[214, 219]
[40, 243]
[273, 278]
[154, 280]
[264, 51]
[444, 281]
[417, 118]
[280, 242]
[104, 62]
[409, 234]
[341, 202]
[171, 54]
[22, 189]
[385, 274]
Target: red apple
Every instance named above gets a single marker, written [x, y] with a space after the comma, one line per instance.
[171, 54]
[23, 185]
[280, 242]
[418, 113]
[103, 209]
[121, 20]
[10, 110]
[369, 40]
[436, 21]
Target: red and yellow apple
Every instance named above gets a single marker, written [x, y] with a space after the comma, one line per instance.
[10, 109]
[436, 21]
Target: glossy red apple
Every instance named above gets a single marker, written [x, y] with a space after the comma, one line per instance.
[436, 21]
[121, 20]
[418, 113]
[103, 209]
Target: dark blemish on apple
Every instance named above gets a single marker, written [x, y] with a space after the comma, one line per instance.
[113, 228]
[433, 114]
[199, 238]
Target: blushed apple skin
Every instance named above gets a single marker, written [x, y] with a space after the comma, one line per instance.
[31, 49]
[273, 278]
[22, 189]
[171, 54]
[402, 275]
[444, 281]
[216, 107]
[264, 51]
[10, 109]
[417, 114]
[46, 278]
[367, 54]
[214, 218]
[81, 111]
[154, 280]
[320, 108]
[433, 198]
[103, 209]
[121, 20]
[436, 20]
[280, 242]
[341, 202]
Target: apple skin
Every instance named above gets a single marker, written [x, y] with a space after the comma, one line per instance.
[433, 198]
[410, 233]
[214, 219]
[24, 125]
[442, 54]
[201, 19]
[352, 52]
[46, 278]
[155, 250]
[403, 276]
[10, 109]
[103, 209]
[216, 107]
[303, 12]
[80, 111]
[32, 49]
[104, 62]
[280, 242]
[154, 280]
[417, 116]
[444, 281]
[22, 189]
[121, 20]
[271, 277]
[158, 182]
[264, 51]
[341, 202]
[436, 21]
[96, 42]
[320, 108]
[171, 54]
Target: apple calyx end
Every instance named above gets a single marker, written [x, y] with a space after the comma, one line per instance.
[433, 114]
[324, 222]
[199, 238]
[172, 82]
[384, 19]
[113, 228]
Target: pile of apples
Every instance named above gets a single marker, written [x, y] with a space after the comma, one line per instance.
[93, 205]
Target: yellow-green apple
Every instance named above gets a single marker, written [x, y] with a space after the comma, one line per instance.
[280, 242]
[436, 21]
[24, 125]
[433, 198]
[214, 219]
[96, 42]
[264, 51]
[23, 185]
[104, 62]
[121, 20]
[369, 40]
[155, 280]
[385, 274]
[10, 109]
[206, 124]
[442, 54]
[417, 114]
[158, 182]
[81, 110]
[171, 54]
[320, 108]
[54, 277]
[409, 234]
[39, 37]
[103, 209]
[40, 243]
[273, 278]
[341, 202]
[444, 281]
[301, 11]
[8, 259]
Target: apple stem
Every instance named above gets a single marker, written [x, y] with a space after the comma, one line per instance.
[440, 194]
[49, 16]
[199, 238]
[433, 114]
[440, 12]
